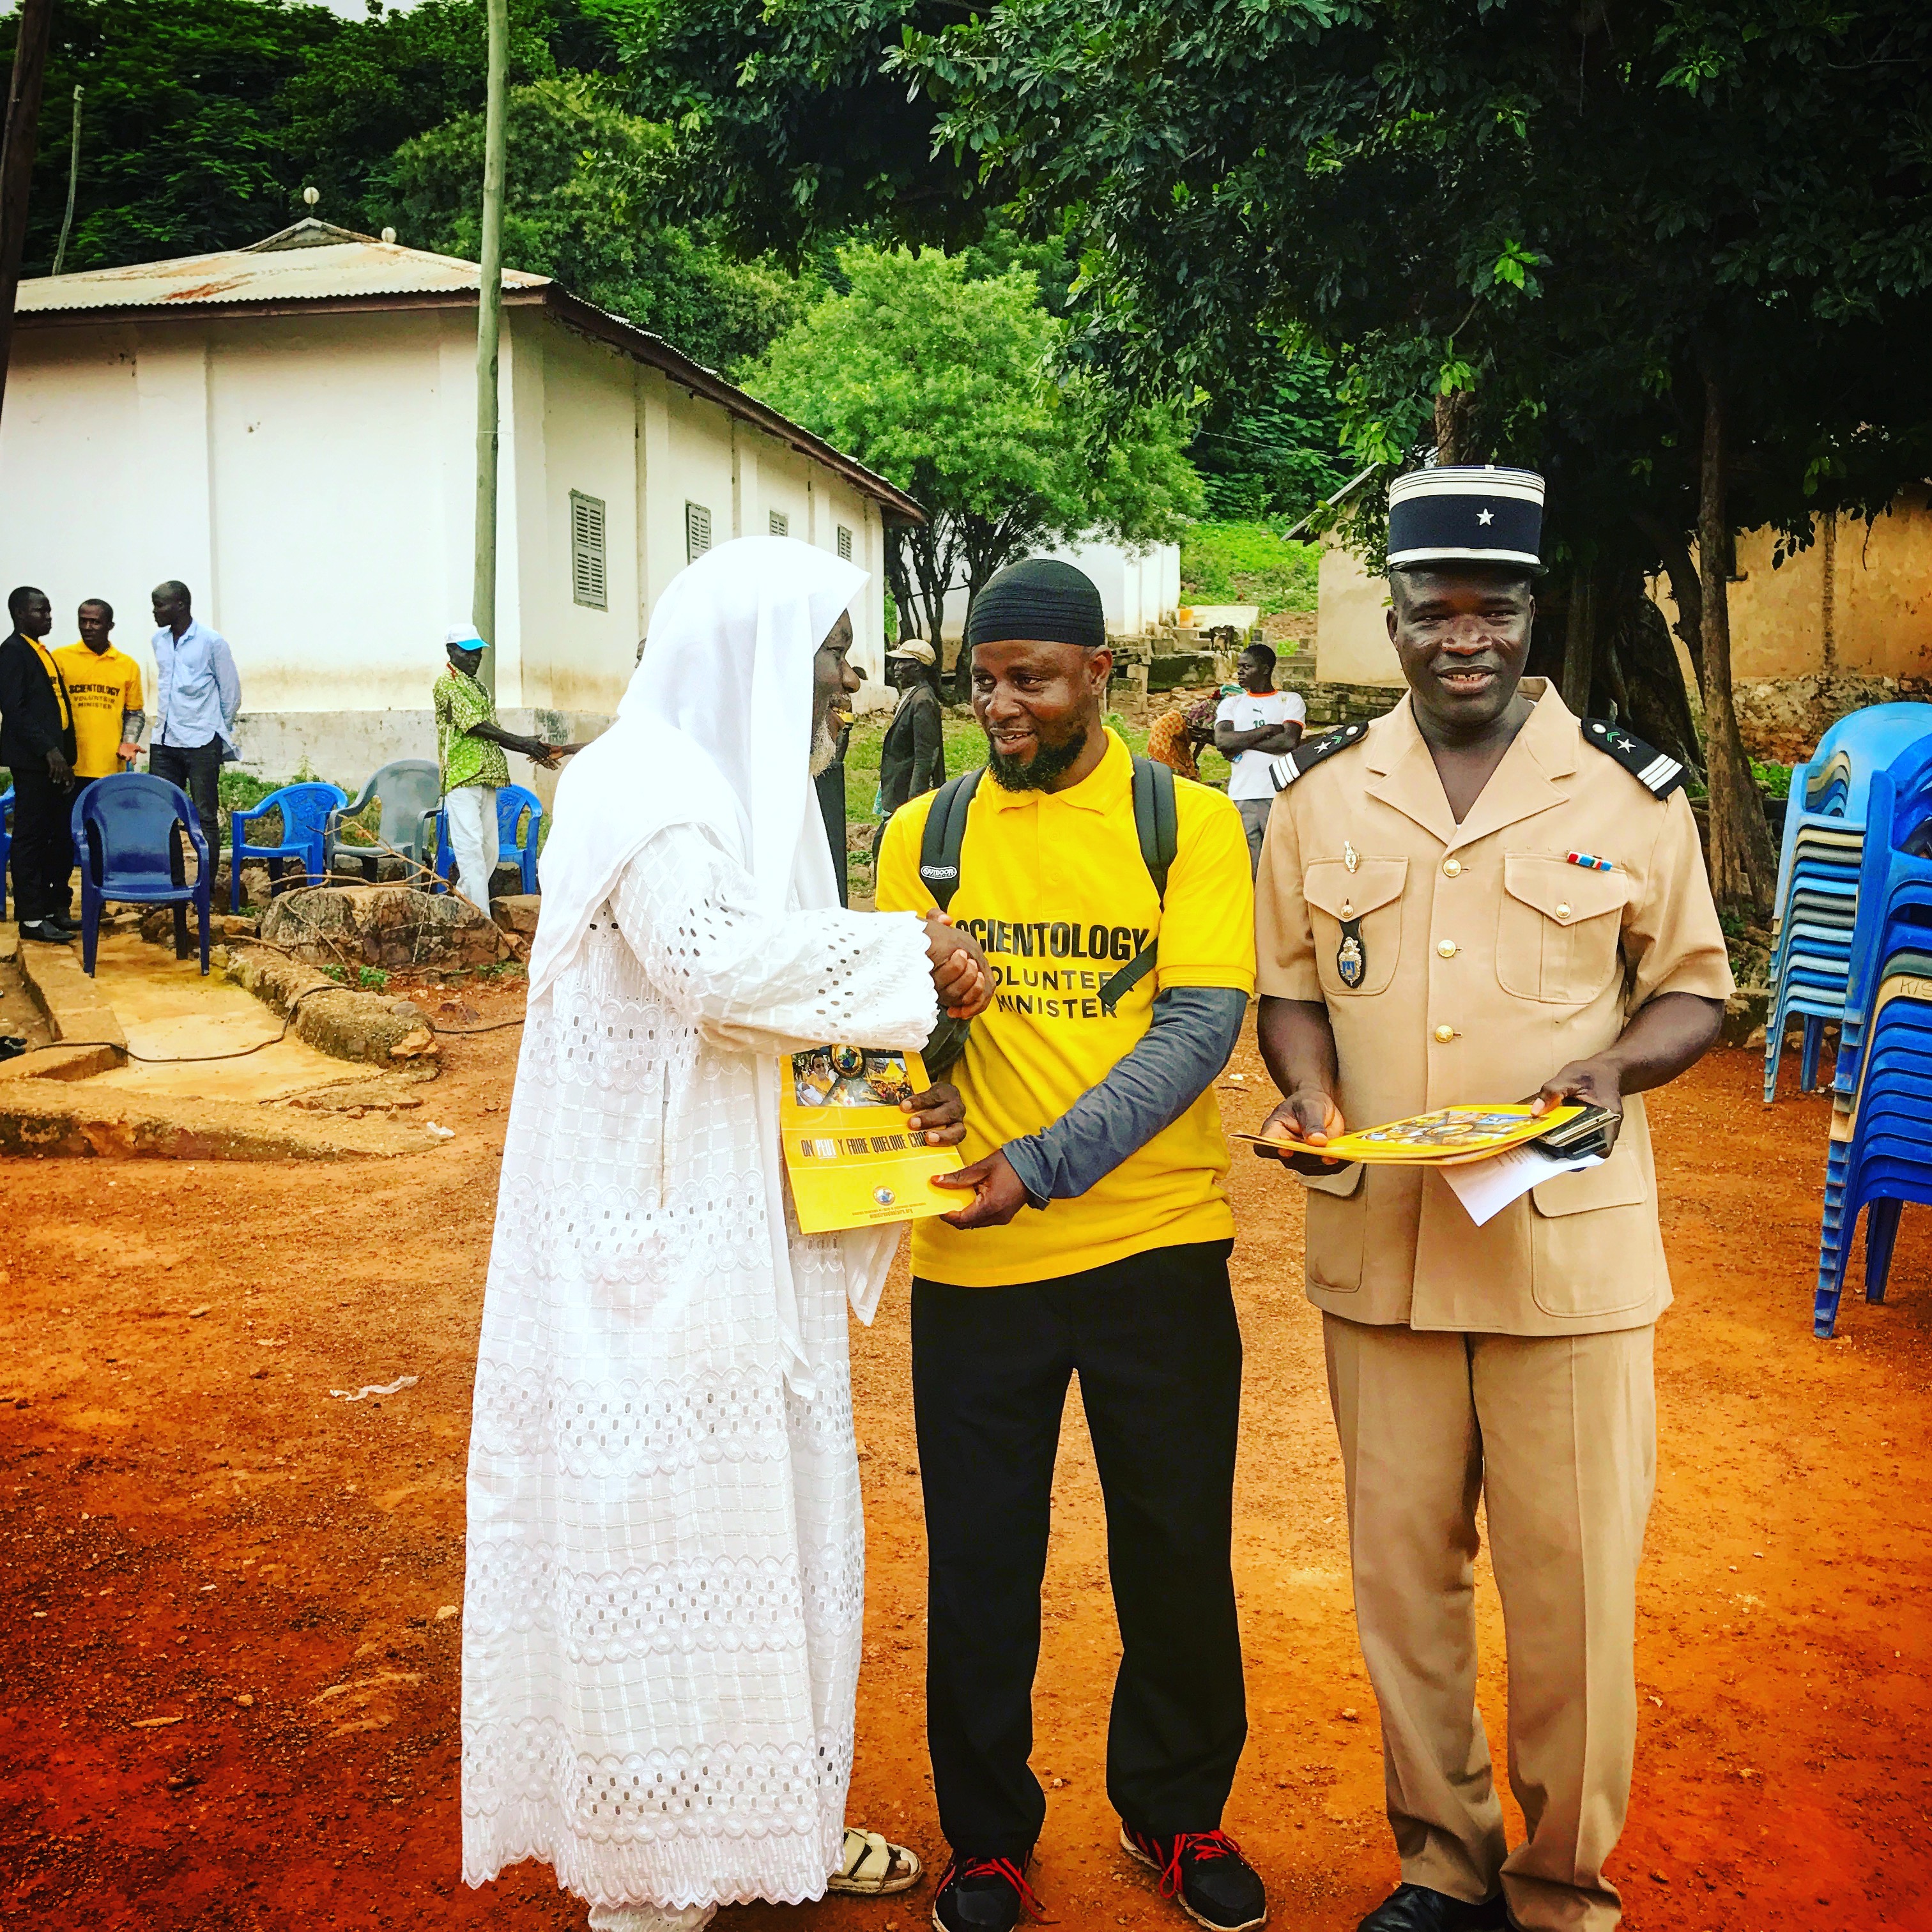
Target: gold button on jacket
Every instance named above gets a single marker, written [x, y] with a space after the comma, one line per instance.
[1550, 961]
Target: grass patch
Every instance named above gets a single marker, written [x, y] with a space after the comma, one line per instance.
[1246, 563]
[367, 979]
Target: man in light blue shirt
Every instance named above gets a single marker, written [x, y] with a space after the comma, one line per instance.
[198, 696]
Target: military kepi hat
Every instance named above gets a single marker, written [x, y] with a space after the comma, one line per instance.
[1466, 513]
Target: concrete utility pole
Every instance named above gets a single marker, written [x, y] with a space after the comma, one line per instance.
[16, 157]
[489, 322]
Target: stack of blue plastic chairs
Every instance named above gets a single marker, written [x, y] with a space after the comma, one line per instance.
[1879, 1155]
[1816, 905]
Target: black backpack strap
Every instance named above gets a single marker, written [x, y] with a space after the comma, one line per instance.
[945, 833]
[1157, 826]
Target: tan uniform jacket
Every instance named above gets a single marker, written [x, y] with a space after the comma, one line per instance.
[1489, 962]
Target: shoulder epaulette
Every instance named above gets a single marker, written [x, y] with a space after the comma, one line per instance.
[1658, 772]
[1298, 762]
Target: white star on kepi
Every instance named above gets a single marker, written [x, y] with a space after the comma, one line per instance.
[1485, 517]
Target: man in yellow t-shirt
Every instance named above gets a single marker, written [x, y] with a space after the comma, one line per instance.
[1095, 1243]
[103, 684]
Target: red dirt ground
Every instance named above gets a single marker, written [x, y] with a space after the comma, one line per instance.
[195, 1521]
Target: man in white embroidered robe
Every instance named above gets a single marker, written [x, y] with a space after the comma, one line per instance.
[662, 1612]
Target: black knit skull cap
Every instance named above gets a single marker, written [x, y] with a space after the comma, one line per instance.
[1040, 599]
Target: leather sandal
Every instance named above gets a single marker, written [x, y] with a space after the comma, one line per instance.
[873, 1867]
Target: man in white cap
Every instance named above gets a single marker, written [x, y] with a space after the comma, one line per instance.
[470, 747]
[912, 756]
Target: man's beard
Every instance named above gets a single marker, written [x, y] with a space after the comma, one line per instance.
[824, 745]
[1038, 772]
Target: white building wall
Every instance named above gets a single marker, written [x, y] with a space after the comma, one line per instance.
[1351, 639]
[326, 478]
[312, 478]
[73, 470]
[1139, 588]
[590, 446]
[785, 485]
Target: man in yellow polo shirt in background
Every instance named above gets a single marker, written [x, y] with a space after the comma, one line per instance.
[104, 685]
[1095, 1243]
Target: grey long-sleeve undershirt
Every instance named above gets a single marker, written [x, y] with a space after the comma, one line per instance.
[1194, 1031]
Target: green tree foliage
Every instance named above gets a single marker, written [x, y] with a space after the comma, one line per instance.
[386, 80]
[582, 177]
[183, 147]
[792, 127]
[1270, 444]
[204, 119]
[1678, 256]
[940, 382]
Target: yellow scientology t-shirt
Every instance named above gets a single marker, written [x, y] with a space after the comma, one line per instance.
[102, 688]
[1053, 887]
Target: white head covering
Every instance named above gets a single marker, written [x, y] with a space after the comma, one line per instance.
[715, 730]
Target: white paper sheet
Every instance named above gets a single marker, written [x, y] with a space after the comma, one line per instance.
[1486, 1187]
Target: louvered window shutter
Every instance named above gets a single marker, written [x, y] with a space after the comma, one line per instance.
[781, 524]
[587, 585]
[697, 531]
[845, 543]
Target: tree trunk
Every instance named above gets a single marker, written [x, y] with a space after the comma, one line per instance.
[1645, 678]
[1455, 415]
[1743, 869]
[1580, 627]
[898, 579]
[34, 29]
[1686, 592]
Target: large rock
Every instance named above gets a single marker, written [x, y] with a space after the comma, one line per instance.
[393, 927]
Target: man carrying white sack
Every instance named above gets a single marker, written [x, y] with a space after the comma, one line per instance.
[662, 1612]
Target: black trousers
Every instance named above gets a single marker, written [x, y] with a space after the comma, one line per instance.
[1154, 1342]
[197, 770]
[42, 858]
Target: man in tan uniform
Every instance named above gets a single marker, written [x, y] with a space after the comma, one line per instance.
[1478, 897]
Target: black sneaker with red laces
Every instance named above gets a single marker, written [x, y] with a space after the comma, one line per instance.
[983, 1894]
[1205, 1873]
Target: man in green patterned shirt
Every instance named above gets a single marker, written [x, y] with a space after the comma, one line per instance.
[470, 747]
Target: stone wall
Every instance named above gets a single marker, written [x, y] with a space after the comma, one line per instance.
[1782, 719]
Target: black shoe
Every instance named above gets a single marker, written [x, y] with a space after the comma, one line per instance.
[47, 933]
[1205, 1873]
[983, 1894]
[1415, 1908]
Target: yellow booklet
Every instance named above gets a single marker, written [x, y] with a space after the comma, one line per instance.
[852, 1162]
[1449, 1134]
[1443, 1138]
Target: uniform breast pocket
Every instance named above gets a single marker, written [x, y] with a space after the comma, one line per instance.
[1356, 920]
[1560, 924]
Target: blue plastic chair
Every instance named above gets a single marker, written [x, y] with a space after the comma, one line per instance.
[512, 802]
[127, 827]
[410, 791]
[1879, 1155]
[1819, 860]
[304, 810]
[6, 843]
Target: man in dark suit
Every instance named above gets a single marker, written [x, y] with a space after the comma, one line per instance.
[37, 745]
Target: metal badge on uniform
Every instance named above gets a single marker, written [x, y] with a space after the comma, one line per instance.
[1350, 856]
[1351, 956]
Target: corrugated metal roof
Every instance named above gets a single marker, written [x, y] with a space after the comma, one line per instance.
[310, 261]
